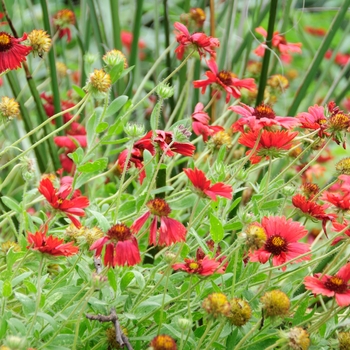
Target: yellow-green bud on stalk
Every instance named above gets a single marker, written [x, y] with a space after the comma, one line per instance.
[98, 84]
[164, 91]
[288, 191]
[113, 58]
[9, 109]
[90, 58]
[184, 324]
[134, 130]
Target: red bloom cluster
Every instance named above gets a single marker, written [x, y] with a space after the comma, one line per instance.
[340, 58]
[315, 31]
[58, 200]
[225, 81]
[127, 39]
[271, 144]
[332, 286]
[260, 117]
[198, 41]
[121, 247]
[282, 242]
[313, 210]
[203, 185]
[280, 43]
[49, 244]
[200, 123]
[62, 20]
[12, 53]
[170, 231]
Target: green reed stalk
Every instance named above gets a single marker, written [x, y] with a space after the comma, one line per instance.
[319, 57]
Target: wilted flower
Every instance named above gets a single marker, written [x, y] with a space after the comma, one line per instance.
[203, 267]
[298, 339]
[62, 20]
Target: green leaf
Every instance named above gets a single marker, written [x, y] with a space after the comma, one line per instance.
[184, 202]
[237, 225]
[49, 319]
[114, 142]
[97, 165]
[77, 156]
[235, 203]
[126, 71]
[139, 279]
[147, 159]
[154, 120]
[6, 289]
[12, 204]
[126, 280]
[112, 280]
[79, 91]
[116, 105]
[17, 326]
[216, 229]
[101, 127]
[102, 221]
[273, 204]
[90, 128]
[116, 72]
[162, 189]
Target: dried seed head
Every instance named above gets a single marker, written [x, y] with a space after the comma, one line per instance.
[216, 304]
[240, 312]
[275, 303]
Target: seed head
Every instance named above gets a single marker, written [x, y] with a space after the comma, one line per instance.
[343, 166]
[275, 303]
[40, 41]
[344, 340]
[240, 312]
[9, 109]
[216, 304]
[298, 339]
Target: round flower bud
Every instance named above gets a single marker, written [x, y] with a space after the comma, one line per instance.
[184, 324]
[40, 42]
[90, 58]
[164, 91]
[9, 109]
[298, 339]
[134, 130]
[113, 58]
[240, 312]
[343, 166]
[275, 303]
[169, 257]
[344, 340]
[216, 304]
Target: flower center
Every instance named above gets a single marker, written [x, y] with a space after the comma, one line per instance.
[276, 245]
[264, 111]
[336, 284]
[119, 232]
[339, 121]
[168, 139]
[225, 77]
[5, 42]
[193, 265]
[159, 207]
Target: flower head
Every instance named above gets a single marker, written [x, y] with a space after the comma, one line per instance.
[163, 342]
[49, 244]
[282, 242]
[312, 209]
[62, 20]
[203, 267]
[58, 200]
[9, 109]
[343, 166]
[255, 235]
[240, 312]
[12, 53]
[121, 247]
[272, 144]
[200, 123]
[332, 286]
[313, 119]
[275, 303]
[165, 140]
[344, 340]
[216, 304]
[280, 43]
[40, 41]
[170, 231]
[260, 117]
[298, 338]
[203, 185]
[197, 41]
[224, 81]
[113, 57]
[99, 82]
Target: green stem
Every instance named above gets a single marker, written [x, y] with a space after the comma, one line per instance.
[247, 336]
[267, 54]
[114, 4]
[52, 63]
[38, 297]
[216, 334]
[207, 330]
[96, 27]
[163, 302]
[311, 73]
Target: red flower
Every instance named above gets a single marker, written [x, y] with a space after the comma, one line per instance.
[338, 227]
[313, 119]
[165, 138]
[62, 20]
[340, 58]
[282, 241]
[259, 117]
[315, 31]
[331, 286]
[280, 43]
[121, 247]
[200, 123]
[50, 244]
[204, 267]
[58, 200]
[71, 142]
[202, 184]
[313, 210]
[197, 41]
[225, 81]
[12, 53]
[339, 200]
[170, 231]
[271, 144]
